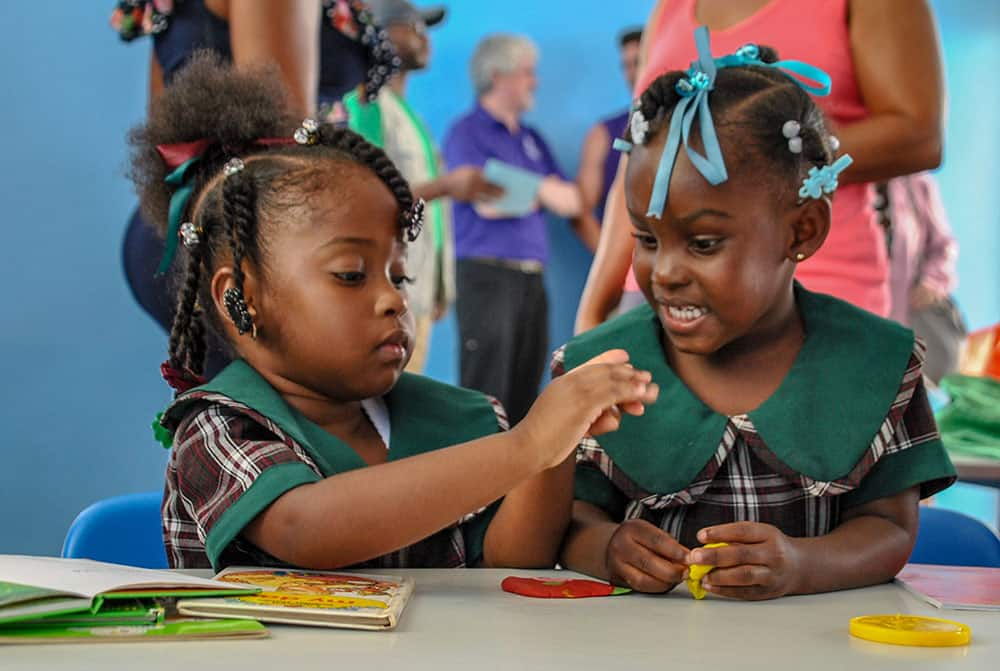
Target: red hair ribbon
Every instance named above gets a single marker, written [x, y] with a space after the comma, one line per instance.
[181, 380]
[179, 153]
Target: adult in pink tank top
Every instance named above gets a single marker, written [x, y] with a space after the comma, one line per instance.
[886, 107]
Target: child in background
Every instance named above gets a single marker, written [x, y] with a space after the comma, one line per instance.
[312, 448]
[790, 425]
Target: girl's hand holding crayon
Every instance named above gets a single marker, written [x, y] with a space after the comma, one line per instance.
[587, 400]
[759, 563]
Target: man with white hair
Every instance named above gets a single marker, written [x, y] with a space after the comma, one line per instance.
[502, 307]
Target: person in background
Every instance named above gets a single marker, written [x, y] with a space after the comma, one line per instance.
[502, 305]
[922, 272]
[391, 123]
[598, 163]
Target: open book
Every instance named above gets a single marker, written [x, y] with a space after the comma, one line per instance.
[318, 598]
[52, 598]
[954, 587]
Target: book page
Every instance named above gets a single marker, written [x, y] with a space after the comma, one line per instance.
[956, 587]
[88, 578]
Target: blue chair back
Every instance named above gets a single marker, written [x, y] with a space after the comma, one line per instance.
[122, 529]
[949, 537]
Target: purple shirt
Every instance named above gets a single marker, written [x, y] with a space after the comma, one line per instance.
[615, 128]
[478, 136]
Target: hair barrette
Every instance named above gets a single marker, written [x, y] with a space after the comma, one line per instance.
[190, 235]
[638, 126]
[233, 166]
[791, 129]
[308, 132]
[822, 181]
[415, 219]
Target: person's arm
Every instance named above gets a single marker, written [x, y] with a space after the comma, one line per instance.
[556, 193]
[614, 249]
[897, 63]
[465, 184]
[284, 33]
[612, 260]
[590, 180]
[559, 196]
[364, 513]
[870, 546]
[938, 275]
[155, 77]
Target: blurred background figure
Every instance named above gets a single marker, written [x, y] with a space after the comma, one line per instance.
[390, 122]
[923, 256]
[598, 162]
[502, 304]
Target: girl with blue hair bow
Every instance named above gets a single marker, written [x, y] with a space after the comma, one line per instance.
[790, 425]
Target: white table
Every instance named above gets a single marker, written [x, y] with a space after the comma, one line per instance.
[460, 619]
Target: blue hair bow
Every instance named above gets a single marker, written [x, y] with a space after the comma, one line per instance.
[694, 90]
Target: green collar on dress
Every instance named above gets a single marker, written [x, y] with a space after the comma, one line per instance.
[424, 415]
[819, 422]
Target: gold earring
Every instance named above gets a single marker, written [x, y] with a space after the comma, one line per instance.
[800, 257]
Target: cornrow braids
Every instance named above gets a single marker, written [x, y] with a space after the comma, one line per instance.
[239, 201]
[183, 331]
[750, 105]
[371, 156]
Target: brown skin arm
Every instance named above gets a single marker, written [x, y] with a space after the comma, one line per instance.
[614, 249]
[285, 33]
[307, 526]
[529, 526]
[586, 544]
[897, 62]
[155, 77]
[398, 503]
[870, 546]
[612, 260]
[590, 179]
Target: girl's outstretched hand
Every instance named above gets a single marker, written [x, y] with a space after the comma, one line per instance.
[760, 561]
[587, 400]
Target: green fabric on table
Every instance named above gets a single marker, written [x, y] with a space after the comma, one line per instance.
[970, 423]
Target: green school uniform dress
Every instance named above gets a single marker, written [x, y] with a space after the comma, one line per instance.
[238, 446]
[849, 424]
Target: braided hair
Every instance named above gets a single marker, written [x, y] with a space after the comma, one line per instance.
[235, 109]
[750, 105]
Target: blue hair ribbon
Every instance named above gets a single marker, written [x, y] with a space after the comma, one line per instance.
[621, 144]
[694, 91]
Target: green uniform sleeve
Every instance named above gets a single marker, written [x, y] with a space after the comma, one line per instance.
[265, 490]
[474, 533]
[926, 465]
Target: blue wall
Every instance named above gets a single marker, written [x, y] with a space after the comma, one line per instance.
[79, 359]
